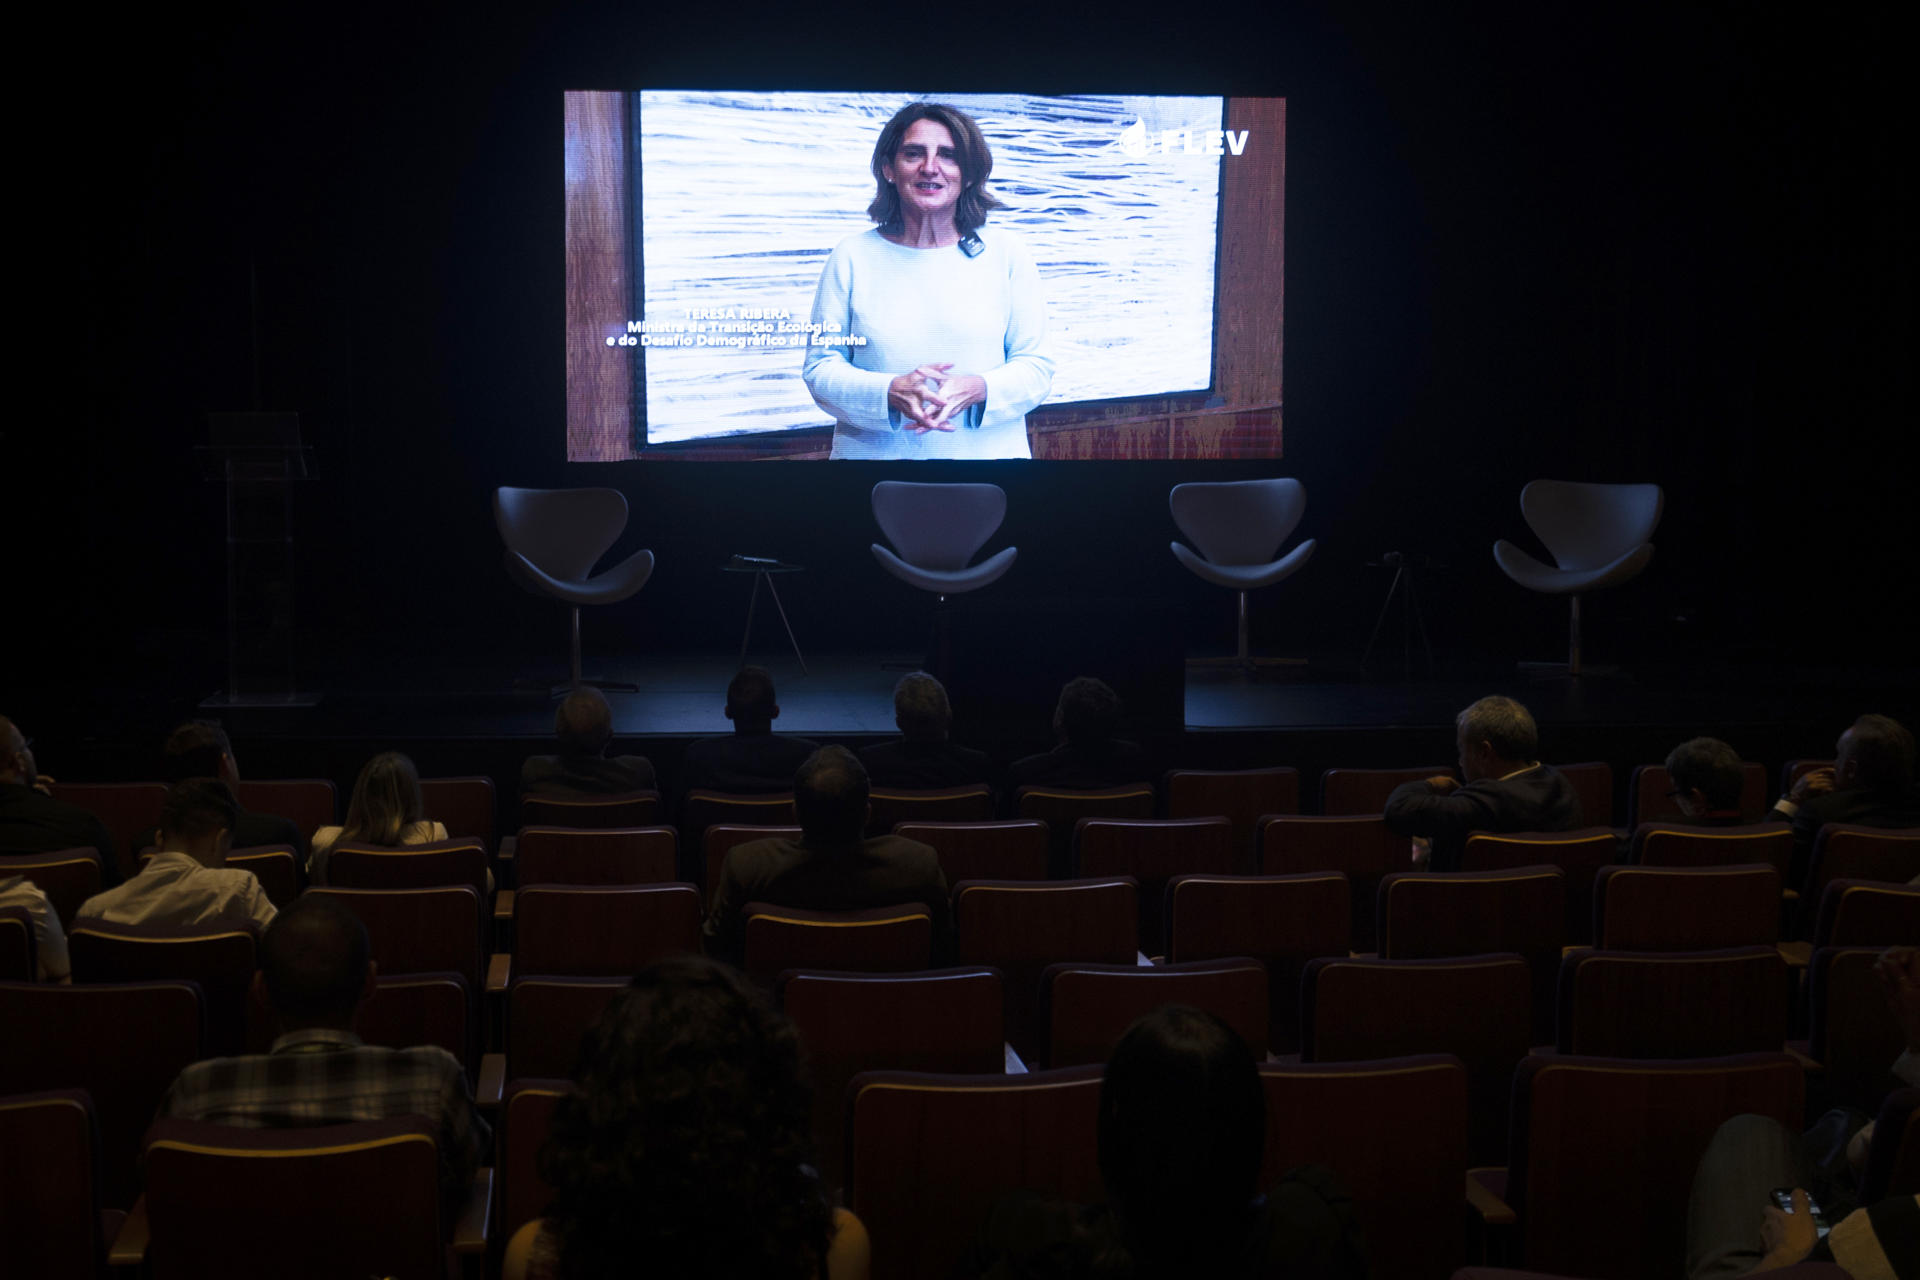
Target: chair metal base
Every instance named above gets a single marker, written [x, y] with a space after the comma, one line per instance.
[575, 679]
[1243, 657]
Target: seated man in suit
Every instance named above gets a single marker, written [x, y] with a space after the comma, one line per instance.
[1708, 778]
[187, 884]
[32, 821]
[582, 727]
[314, 972]
[1870, 784]
[1089, 757]
[200, 749]
[753, 757]
[924, 759]
[1507, 788]
[831, 867]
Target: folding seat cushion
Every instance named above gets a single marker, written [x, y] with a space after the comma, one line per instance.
[79, 1037]
[1477, 1008]
[1364, 791]
[596, 856]
[1394, 1132]
[1430, 915]
[1281, 921]
[1686, 908]
[1090, 1006]
[1580, 854]
[874, 940]
[220, 963]
[50, 1215]
[1852, 1035]
[1357, 846]
[1153, 851]
[619, 809]
[526, 1117]
[1666, 845]
[602, 930]
[459, 861]
[1867, 913]
[1020, 927]
[1242, 796]
[463, 805]
[1692, 1004]
[1011, 850]
[430, 930]
[928, 1155]
[945, 1020]
[1604, 1153]
[358, 1199]
[894, 805]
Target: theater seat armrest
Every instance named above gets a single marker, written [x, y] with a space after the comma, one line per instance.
[503, 906]
[1808, 1063]
[1798, 955]
[1493, 1211]
[492, 1085]
[508, 846]
[1015, 1067]
[1790, 895]
[129, 1247]
[470, 1232]
[499, 969]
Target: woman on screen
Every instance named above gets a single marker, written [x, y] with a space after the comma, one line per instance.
[953, 322]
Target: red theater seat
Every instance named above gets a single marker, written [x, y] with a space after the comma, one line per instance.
[1281, 921]
[1477, 1008]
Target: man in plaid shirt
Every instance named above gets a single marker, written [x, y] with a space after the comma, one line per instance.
[314, 972]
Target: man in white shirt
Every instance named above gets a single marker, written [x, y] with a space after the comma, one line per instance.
[50, 942]
[187, 884]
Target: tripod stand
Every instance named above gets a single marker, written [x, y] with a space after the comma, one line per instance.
[1403, 566]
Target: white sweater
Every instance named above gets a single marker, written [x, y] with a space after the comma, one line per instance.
[983, 314]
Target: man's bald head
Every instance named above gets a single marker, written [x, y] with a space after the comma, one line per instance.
[315, 960]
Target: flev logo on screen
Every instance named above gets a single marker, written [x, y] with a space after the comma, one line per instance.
[1137, 142]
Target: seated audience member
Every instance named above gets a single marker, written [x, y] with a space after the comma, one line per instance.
[1708, 777]
[200, 749]
[684, 1147]
[385, 810]
[1734, 1228]
[753, 758]
[187, 884]
[32, 821]
[1088, 756]
[582, 727]
[1507, 788]
[923, 758]
[49, 939]
[1870, 784]
[1182, 1123]
[832, 866]
[314, 972]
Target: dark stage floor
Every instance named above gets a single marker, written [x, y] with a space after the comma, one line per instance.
[464, 715]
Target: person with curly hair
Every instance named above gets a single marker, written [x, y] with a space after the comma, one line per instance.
[684, 1148]
[1181, 1129]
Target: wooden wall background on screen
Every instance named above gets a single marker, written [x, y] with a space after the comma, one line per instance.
[1246, 421]
[599, 377]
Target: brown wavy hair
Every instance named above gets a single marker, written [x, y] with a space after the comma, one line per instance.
[685, 1147]
[970, 149]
